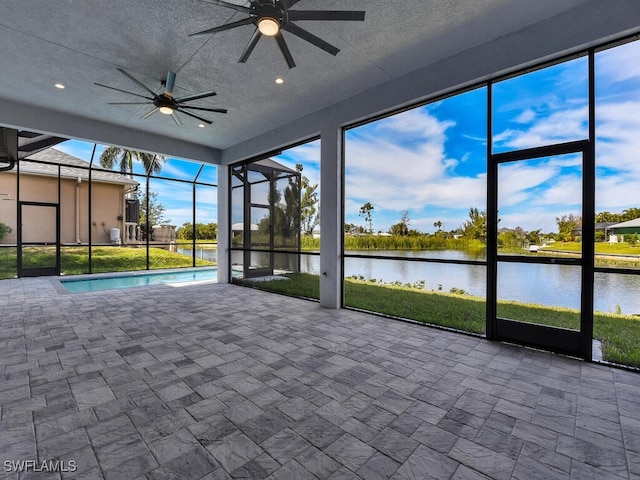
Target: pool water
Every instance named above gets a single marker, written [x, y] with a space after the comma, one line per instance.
[139, 280]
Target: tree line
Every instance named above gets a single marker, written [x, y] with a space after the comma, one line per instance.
[475, 227]
[204, 231]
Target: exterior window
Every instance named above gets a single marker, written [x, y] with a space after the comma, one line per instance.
[415, 213]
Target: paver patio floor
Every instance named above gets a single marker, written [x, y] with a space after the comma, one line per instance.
[220, 381]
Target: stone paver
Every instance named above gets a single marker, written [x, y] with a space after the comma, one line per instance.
[219, 382]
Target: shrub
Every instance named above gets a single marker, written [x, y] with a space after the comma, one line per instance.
[4, 230]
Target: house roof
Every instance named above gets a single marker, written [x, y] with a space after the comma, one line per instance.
[630, 223]
[55, 157]
[269, 165]
[16, 144]
[597, 226]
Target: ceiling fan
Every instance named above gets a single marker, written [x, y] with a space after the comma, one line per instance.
[165, 102]
[272, 16]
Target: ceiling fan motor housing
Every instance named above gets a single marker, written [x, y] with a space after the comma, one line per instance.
[161, 101]
[267, 9]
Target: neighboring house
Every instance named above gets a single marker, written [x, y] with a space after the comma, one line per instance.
[631, 227]
[603, 227]
[39, 183]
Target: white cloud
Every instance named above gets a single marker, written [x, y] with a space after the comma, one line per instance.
[206, 195]
[619, 63]
[307, 154]
[562, 126]
[617, 156]
[533, 219]
[400, 163]
[179, 169]
[169, 191]
[526, 116]
[517, 180]
[565, 191]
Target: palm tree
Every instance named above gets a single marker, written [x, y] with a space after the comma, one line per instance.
[124, 158]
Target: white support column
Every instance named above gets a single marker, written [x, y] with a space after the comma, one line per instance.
[331, 217]
[224, 224]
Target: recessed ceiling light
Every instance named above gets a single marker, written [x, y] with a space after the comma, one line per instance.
[279, 81]
[59, 85]
[201, 125]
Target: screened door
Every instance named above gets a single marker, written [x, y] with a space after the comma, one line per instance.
[258, 225]
[38, 239]
[528, 309]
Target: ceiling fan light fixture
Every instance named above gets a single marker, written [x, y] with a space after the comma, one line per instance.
[268, 26]
[165, 103]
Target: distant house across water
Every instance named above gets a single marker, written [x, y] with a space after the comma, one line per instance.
[603, 227]
[631, 227]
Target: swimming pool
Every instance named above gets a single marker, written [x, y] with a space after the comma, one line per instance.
[139, 280]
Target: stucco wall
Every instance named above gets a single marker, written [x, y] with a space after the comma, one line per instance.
[8, 208]
[107, 204]
[107, 208]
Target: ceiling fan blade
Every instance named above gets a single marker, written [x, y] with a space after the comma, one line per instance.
[285, 49]
[250, 46]
[311, 38]
[176, 119]
[291, 2]
[135, 80]
[196, 96]
[222, 3]
[204, 109]
[123, 91]
[226, 26]
[147, 115]
[170, 82]
[326, 15]
[128, 103]
[208, 122]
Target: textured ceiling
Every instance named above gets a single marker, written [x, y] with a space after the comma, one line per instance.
[79, 42]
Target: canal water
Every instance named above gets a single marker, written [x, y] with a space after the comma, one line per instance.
[209, 254]
[552, 285]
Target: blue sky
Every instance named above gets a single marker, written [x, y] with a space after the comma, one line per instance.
[176, 197]
[431, 160]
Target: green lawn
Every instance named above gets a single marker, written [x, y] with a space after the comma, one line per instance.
[8, 262]
[75, 260]
[603, 248]
[619, 334]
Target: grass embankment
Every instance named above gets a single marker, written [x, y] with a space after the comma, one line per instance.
[75, 260]
[602, 249]
[619, 334]
[206, 244]
[114, 259]
[399, 242]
